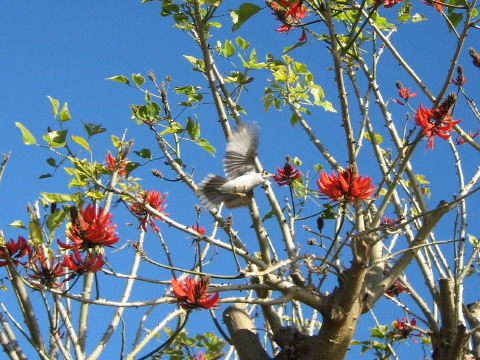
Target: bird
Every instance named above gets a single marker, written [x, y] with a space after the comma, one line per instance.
[236, 188]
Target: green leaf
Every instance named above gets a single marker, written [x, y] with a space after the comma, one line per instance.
[317, 167]
[64, 114]
[193, 128]
[378, 138]
[51, 162]
[471, 239]
[80, 141]
[245, 12]
[290, 48]
[138, 79]
[455, 19]
[55, 104]
[131, 165]
[144, 153]
[93, 129]
[56, 138]
[28, 138]
[404, 12]
[35, 233]
[56, 198]
[95, 195]
[17, 224]
[204, 144]
[173, 128]
[44, 176]
[119, 78]
[229, 49]
[294, 119]
[242, 43]
[55, 219]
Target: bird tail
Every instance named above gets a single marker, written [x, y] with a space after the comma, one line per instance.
[208, 191]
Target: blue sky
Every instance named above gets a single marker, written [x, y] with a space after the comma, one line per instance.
[67, 49]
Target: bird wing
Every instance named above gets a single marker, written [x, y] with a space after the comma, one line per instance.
[211, 196]
[241, 151]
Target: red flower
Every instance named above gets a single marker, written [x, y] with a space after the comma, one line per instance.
[79, 265]
[404, 93]
[193, 294]
[199, 356]
[287, 175]
[113, 165]
[435, 122]
[346, 186]
[461, 141]
[403, 328]
[45, 271]
[155, 200]
[199, 229]
[387, 4]
[435, 4]
[395, 289]
[14, 250]
[89, 229]
[289, 13]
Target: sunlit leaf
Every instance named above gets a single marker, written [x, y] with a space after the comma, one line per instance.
[80, 141]
[204, 144]
[245, 12]
[55, 138]
[144, 153]
[64, 114]
[55, 104]
[138, 79]
[17, 224]
[28, 138]
[56, 198]
[119, 78]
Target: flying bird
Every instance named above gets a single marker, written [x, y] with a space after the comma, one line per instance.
[239, 165]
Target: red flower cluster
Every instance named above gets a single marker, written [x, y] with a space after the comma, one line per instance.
[155, 200]
[437, 121]
[199, 229]
[14, 251]
[346, 186]
[404, 93]
[387, 4]
[461, 79]
[90, 229]
[289, 12]
[79, 265]
[113, 165]
[435, 4]
[198, 356]
[403, 328]
[287, 175]
[44, 270]
[193, 294]
[396, 289]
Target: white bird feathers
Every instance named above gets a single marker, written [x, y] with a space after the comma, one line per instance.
[239, 166]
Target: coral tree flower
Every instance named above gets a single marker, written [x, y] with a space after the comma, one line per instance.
[461, 141]
[90, 229]
[346, 186]
[199, 229]
[14, 251]
[198, 356]
[79, 265]
[112, 165]
[396, 289]
[387, 4]
[437, 121]
[155, 200]
[193, 294]
[404, 93]
[403, 328]
[460, 79]
[287, 175]
[435, 4]
[45, 271]
[475, 57]
[289, 12]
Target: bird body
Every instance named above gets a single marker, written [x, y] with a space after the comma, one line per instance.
[239, 165]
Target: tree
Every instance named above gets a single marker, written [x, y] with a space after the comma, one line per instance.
[376, 229]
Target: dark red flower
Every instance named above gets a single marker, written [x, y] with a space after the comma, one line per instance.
[396, 289]
[79, 265]
[89, 229]
[113, 165]
[435, 4]
[387, 4]
[155, 200]
[403, 328]
[287, 175]
[193, 294]
[14, 251]
[475, 57]
[199, 229]
[435, 122]
[404, 93]
[461, 79]
[461, 141]
[346, 186]
[45, 270]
